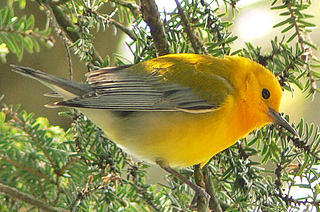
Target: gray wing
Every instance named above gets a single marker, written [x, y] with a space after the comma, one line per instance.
[121, 90]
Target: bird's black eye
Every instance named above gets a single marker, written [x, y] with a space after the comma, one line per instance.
[265, 93]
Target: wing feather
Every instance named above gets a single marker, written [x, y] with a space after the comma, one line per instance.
[122, 90]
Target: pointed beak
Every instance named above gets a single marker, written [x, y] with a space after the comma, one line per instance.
[278, 119]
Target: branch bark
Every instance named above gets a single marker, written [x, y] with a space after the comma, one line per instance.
[135, 9]
[307, 56]
[15, 193]
[195, 42]
[61, 24]
[151, 16]
[214, 203]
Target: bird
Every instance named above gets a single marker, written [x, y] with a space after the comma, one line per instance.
[175, 110]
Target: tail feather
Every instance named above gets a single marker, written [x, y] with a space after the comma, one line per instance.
[65, 88]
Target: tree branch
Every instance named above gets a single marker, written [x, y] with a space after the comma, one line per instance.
[195, 42]
[57, 3]
[61, 24]
[67, 166]
[202, 203]
[66, 23]
[15, 193]
[135, 9]
[214, 203]
[307, 56]
[151, 16]
[24, 126]
[108, 20]
[125, 29]
[28, 169]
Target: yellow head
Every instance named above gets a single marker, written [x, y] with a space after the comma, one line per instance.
[263, 93]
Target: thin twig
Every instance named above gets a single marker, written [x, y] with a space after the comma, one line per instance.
[69, 60]
[66, 23]
[57, 3]
[151, 16]
[214, 203]
[28, 169]
[28, 33]
[125, 29]
[307, 56]
[200, 195]
[142, 190]
[135, 9]
[202, 204]
[58, 196]
[15, 193]
[61, 24]
[195, 42]
[108, 20]
[67, 166]
[33, 136]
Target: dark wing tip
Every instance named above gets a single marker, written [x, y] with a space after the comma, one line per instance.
[24, 70]
[16, 68]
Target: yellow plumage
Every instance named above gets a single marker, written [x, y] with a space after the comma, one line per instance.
[180, 109]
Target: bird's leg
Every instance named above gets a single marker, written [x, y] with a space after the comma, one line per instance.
[199, 192]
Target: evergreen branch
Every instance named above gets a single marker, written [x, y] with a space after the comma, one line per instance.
[151, 16]
[289, 199]
[67, 166]
[141, 188]
[16, 194]
[307, 56]
[73, 204]
[135, 9]
[148, 198]
[62, 25]
[20, 166]
[125, 29]
[65, 23]
[28, 33]
[58, 196]
[19, 34]
[304, 146]
[195, 42]
[84, 192]
[57, 3]
[107, 20]
[26, 128]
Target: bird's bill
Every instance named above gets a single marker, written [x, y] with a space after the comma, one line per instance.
[278, 119]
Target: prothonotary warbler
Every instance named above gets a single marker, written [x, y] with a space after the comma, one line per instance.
[176, 110]
[179, 109]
